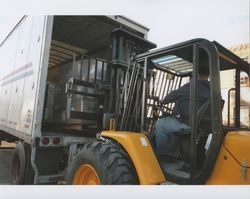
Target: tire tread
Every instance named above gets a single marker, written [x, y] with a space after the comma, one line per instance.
[115, 166]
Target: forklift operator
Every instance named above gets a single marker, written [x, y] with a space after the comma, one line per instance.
[168, 145]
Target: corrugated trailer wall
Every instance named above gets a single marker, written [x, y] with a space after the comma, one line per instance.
[20, 56]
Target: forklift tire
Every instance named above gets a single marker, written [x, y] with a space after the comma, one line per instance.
[99, 163]
[18, 164]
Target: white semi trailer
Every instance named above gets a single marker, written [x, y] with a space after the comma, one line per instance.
[58, 87]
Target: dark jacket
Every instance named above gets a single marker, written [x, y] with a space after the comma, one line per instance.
[181, 99]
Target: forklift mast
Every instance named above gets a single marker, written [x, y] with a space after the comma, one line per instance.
[123, 75]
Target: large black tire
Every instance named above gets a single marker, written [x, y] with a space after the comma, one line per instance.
[29, 172]
[18, 164]
[21, 170]
[110, 163]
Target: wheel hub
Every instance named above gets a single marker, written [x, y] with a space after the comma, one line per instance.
[86, 175]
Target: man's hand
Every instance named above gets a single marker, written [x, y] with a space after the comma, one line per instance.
[161, 102]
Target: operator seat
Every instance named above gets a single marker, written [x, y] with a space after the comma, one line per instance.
[204, 129]
[203, 117]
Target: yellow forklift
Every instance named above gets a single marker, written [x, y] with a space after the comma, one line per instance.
[124, 152]
[90, 102]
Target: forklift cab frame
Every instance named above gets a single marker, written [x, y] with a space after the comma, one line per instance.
[219, 59]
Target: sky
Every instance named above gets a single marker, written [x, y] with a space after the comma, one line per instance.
[169, 21]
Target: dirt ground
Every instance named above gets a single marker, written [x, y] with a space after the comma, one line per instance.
[5, 161]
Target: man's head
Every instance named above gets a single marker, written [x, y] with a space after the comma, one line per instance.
[203, 72]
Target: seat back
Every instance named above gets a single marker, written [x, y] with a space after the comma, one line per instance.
[204, 128]
[202, 113]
